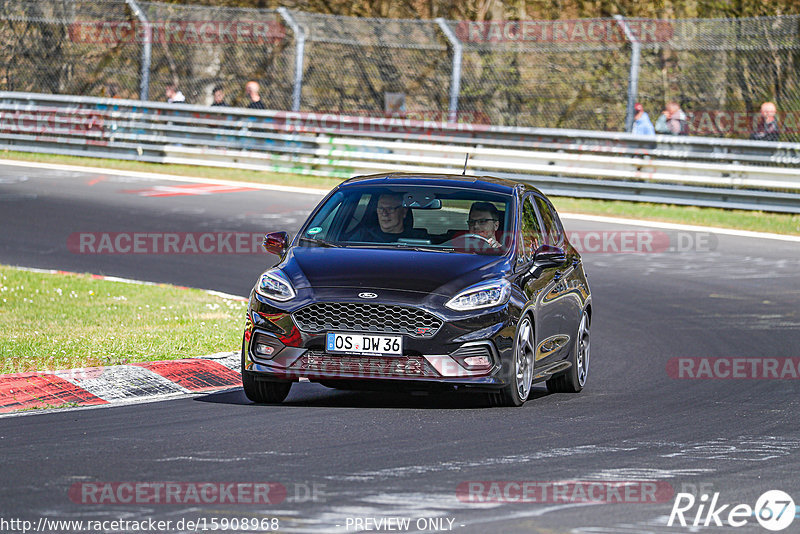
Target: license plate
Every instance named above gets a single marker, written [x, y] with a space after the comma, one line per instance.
[364, 344]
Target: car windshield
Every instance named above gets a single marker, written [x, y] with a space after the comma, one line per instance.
[446, 219]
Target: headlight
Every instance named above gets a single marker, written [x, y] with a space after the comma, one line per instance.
[274, 285]
[483, 295]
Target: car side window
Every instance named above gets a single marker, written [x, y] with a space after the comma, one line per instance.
[358, 214]
[552, 229]
[326, 222]
[557, 221]
[530, 232]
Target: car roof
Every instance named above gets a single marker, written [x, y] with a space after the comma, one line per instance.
[486, 183]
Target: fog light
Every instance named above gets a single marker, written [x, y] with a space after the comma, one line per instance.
[264, 350]
[478, 362]
[265, 347]
[476, 356]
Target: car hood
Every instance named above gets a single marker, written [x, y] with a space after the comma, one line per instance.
[404, 270]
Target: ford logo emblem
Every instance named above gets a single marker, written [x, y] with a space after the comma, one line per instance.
[368, 295]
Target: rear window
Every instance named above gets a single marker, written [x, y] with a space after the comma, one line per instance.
[437, 218]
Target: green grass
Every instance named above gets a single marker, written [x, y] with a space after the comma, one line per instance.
[737, 219]
[59, 321]
[47, 406]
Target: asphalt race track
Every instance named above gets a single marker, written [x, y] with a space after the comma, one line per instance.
[345, 457]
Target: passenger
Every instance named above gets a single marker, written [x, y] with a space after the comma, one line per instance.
[484, 220]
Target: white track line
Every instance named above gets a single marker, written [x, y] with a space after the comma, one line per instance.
[313, 191]
[677, 226]
[158, 176]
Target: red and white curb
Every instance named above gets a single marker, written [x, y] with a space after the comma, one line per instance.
[92, 386]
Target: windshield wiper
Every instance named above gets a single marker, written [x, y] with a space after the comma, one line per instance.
[316, 241]
[431, 249]
[420, 248]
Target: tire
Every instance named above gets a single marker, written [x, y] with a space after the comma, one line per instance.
[517, 391]
[262, 392]
[574, 379]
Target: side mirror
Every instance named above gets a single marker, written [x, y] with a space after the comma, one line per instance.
[276, 243]
[549, 256]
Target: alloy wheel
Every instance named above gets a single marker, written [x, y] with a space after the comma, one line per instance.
[524, 358]
[582, 352]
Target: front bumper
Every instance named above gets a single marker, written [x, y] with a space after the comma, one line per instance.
[276, 349]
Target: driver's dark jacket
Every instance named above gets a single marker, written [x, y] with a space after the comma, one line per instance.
[372, 234]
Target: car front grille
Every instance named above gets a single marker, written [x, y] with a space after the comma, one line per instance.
[378, 318]
[320, 364]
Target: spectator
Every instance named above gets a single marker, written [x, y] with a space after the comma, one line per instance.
[661, 123]
[672, 121]
[174, 96]
[641, 121]
[251, 88]
[767, 127]
[219, 97]
[111, 90]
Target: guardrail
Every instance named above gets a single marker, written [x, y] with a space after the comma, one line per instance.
[681, 170]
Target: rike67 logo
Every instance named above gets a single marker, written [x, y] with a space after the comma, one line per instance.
[774, 510]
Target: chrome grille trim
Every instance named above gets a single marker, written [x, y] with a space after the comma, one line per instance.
[315, 363]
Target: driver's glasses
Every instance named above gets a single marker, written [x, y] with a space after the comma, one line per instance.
[387, 210]
[475, 222]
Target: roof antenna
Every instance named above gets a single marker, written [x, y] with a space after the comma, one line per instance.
[466, 160]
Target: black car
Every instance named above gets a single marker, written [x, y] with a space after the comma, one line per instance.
[422, 282]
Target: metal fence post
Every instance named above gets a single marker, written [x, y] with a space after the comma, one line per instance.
[144, 82]
[633, 77]
[455, 81]
[300, 36]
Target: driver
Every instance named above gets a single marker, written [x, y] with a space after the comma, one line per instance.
[484, 220]
[391, 222]
[391, 213]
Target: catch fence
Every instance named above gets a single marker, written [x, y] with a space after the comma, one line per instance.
[572, 74]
